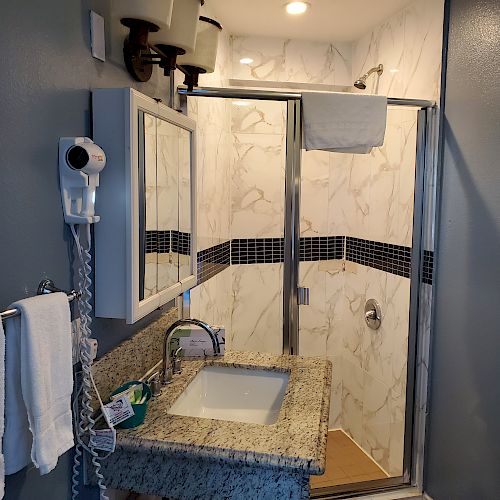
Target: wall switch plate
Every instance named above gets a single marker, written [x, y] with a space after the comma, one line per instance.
[97, 36]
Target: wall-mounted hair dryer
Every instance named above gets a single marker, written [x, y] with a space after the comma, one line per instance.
[80, 161]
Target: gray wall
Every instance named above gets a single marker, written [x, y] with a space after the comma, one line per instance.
[47, 71]
[463, 460]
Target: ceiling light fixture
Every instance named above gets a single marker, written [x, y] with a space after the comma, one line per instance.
[246, 60]
[296, 8]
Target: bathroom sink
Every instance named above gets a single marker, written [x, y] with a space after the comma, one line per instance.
[235, 394]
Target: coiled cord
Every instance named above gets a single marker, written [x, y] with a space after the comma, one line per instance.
[85, 415]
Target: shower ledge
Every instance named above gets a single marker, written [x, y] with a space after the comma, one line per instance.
[185, 457]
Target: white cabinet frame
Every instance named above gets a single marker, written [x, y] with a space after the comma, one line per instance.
[115, 128]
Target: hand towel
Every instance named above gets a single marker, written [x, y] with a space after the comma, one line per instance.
[2, 407]
[342, 122]
[38, 402]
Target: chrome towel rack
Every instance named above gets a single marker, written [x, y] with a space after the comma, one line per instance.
[45, 286]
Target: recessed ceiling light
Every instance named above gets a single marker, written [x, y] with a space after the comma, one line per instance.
[295, 8]
[394, 70]
[241, 103]
[246, 60]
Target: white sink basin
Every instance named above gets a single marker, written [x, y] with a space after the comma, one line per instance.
[236, 394]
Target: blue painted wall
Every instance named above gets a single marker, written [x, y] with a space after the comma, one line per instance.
[463, 457]
[47, 71]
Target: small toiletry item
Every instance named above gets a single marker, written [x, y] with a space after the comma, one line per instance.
[139, 394]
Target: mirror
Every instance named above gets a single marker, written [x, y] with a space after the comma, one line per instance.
[146, 239]
[165, 201]
[184, 246]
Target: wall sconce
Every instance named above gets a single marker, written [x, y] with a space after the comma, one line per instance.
[180, 38]
[160, 30]
[170, 34]
[202, 59]
[142, 18]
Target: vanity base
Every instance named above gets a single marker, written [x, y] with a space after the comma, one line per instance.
[200, 478]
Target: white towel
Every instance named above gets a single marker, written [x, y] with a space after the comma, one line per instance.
[2, 407]
[38, 419]
[342, 122]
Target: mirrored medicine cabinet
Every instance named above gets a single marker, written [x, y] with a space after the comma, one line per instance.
[145, 242]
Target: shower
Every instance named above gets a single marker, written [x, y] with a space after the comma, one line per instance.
[360, 83]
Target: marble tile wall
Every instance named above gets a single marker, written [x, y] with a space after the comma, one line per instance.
[364, 196]
[408, 44]
[292, 61]
[211, 301]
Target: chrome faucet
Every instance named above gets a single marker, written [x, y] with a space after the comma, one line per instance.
[167, 371]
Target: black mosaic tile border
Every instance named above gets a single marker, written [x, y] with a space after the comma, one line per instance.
[167, 241]
[257, 251]
[428, 267]
[321, 248]
[394, 259]
[387, 257]
[213, 260]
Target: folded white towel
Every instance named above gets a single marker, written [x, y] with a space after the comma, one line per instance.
[342, 122]
[39, 383]
[2, 407]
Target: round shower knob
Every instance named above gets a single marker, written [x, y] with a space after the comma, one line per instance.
[373, 314]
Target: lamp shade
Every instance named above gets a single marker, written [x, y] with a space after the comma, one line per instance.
[158, 12]
[182, 31]
[205, 51]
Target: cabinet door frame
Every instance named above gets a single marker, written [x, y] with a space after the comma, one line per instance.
[116, 129]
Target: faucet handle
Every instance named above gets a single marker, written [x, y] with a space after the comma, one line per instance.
[154, 384]
[177, 361]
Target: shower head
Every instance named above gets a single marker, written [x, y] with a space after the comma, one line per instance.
[360, 83]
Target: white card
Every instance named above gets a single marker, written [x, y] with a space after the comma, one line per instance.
[104, 439]
[119, 410]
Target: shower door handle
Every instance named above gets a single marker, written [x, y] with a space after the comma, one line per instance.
[303, 296]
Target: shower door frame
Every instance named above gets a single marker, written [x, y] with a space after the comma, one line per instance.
[425, 169]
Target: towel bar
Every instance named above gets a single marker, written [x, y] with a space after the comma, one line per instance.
[45, 286]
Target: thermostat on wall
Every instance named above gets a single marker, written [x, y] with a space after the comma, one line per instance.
[97, 38]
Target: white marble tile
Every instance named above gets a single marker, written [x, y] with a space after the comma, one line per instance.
[339, 203]
[354, 326]
[224, 297]
[376, 420]
[150, 275]
[336, 304]
[258, 117]
[407, 176]
[257, 311]
[299, 61]
[184, 181]
[357, 199]
[150, 171]
[313, 319]
[423, 33]
[383, 45]
[168, 270]
[257, 187]
[335, 417]
[314, 193]
[352, 400]
[167, 175]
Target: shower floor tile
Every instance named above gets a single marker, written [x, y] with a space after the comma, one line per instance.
[346, 463]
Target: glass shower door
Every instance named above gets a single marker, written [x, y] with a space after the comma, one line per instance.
[356, 221]
[257, 225]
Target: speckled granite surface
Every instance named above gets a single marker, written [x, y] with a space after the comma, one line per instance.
[168, 454]
[134, 357]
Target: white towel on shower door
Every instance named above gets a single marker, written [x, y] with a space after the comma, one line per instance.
[39, 383]
[343, 123]
[2, 407]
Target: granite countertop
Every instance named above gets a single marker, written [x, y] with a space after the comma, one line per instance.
[296, 441]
